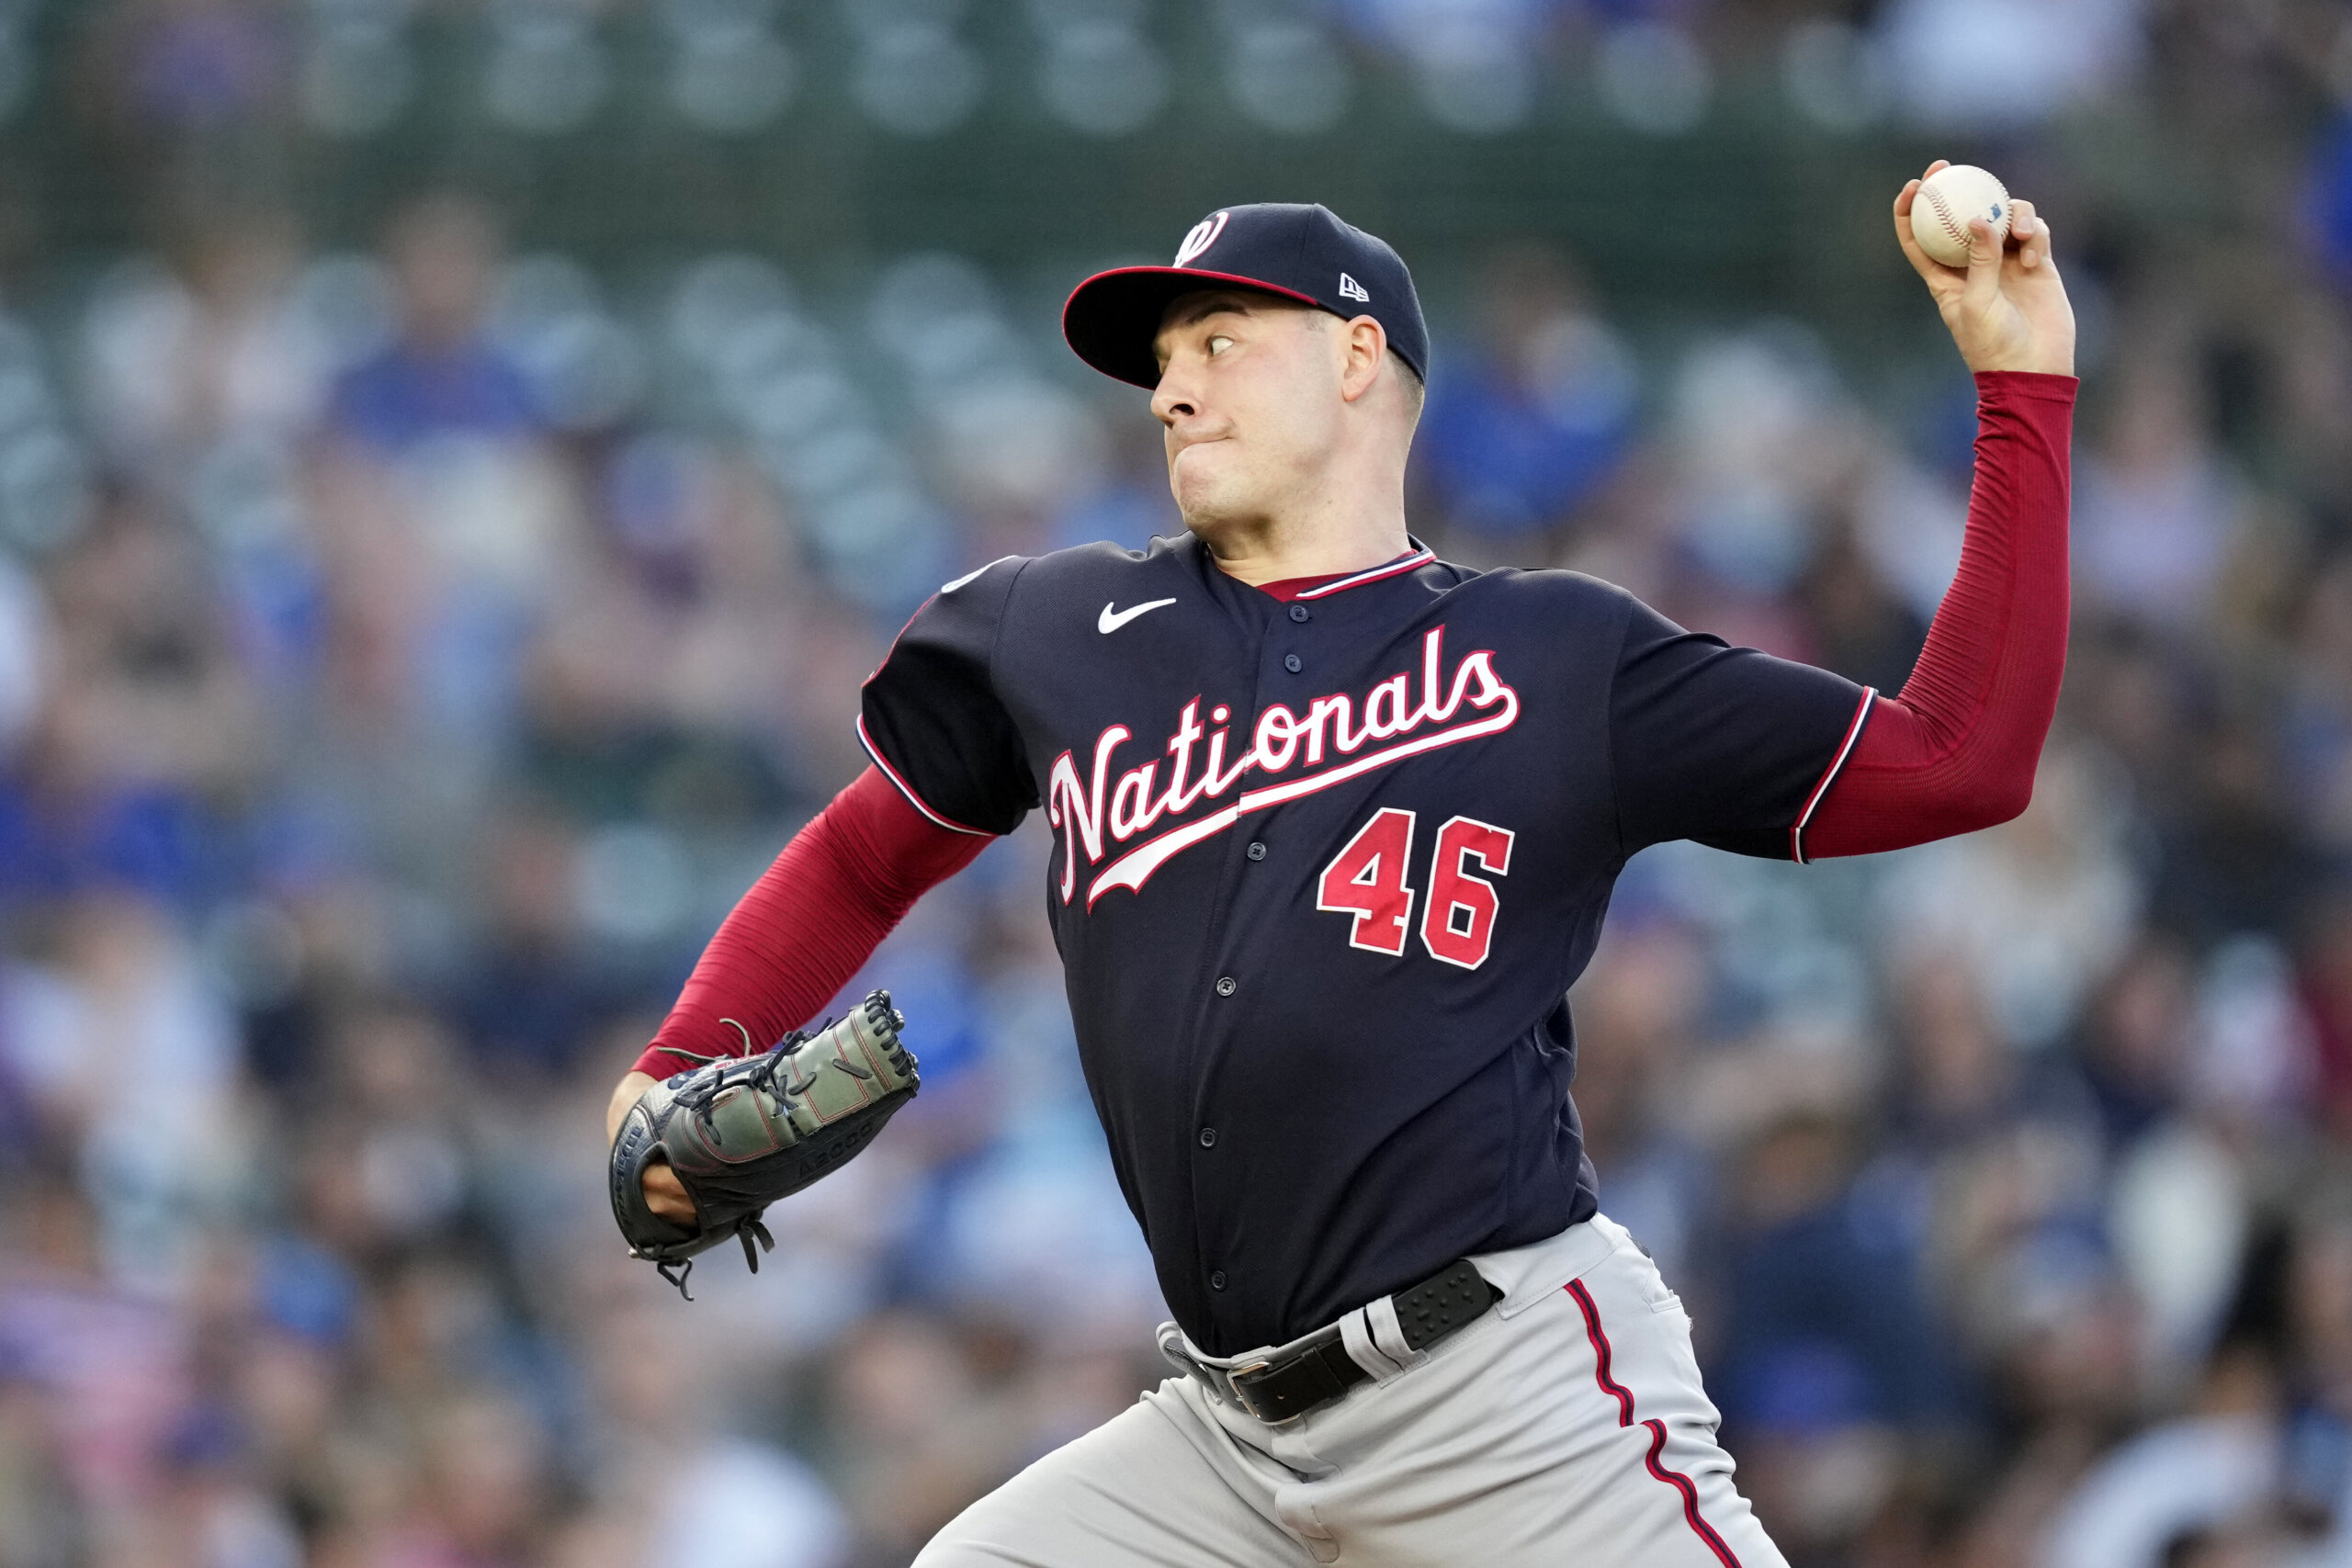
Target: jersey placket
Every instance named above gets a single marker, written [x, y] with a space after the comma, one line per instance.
[1252, 852]
[1226, 1001]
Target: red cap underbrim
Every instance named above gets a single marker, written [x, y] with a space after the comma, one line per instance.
[1111, 319]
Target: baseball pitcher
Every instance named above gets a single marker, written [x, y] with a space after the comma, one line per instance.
[1335, 824]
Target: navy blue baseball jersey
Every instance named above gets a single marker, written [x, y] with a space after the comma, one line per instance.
[1324, 870]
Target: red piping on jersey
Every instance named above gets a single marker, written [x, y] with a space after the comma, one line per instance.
[908, 790]
[1955, 750]
[1290, 588]
[1624, 1397]
[1417, 559]
[867, 741]
[806, 926]
[1829, 774]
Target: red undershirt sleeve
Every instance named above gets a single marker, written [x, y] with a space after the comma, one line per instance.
[808, 923]
[1955, 751]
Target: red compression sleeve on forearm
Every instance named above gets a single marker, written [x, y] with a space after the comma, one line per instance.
[1955, 750]
[811, 919]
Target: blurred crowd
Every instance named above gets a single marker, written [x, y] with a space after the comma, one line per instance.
[407, 654]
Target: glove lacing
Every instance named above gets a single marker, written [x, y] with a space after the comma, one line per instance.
[747, 1227]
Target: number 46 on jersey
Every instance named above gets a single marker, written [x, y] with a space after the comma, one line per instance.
[1369, 879]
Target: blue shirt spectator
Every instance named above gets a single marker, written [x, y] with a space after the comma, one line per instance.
[408, 394]
[1825, 1323]
[1515, 441]
[442, 376]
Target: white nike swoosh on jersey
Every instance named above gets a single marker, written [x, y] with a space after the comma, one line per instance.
[1111, 621]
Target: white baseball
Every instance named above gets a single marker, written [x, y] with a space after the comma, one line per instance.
[1947, 200]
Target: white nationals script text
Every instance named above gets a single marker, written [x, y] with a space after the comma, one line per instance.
[1102, 813]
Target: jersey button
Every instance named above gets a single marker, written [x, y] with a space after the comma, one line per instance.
[1293, 664]
[1298, 613]
[1208, 1137]
[1257, 850]
[1217, 1280]
[1225, 987]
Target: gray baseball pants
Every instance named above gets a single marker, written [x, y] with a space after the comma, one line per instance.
[1566, 1426]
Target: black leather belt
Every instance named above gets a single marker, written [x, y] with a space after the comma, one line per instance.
[1322, 1371]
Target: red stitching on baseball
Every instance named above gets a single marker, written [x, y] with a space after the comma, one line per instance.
[1943, 214]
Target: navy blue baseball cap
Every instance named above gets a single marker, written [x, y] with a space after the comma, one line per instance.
[1302, 252]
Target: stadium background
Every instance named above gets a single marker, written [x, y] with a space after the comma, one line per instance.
[456, 461]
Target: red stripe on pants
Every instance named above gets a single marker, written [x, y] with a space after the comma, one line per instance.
[1624, 1398]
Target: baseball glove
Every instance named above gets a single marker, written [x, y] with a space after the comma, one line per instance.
[742, 1132]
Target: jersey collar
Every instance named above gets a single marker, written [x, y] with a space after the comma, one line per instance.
[1294, 588]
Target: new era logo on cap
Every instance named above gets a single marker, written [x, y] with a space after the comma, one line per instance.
[1302, 252]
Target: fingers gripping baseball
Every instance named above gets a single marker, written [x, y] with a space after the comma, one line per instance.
[2007, 309]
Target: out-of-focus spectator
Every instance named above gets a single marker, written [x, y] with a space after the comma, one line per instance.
[1133, 506]
[104, 1369]
[207, 356]
[445, 523]
[2033, 910]
[1861, 626]
[2326, 989]
[670, 1487]
[118, 999]
[1973, 66]
[1831, 1362]
[1766, 445]
[1635, 1015]
[2194, 1490]
[2154, 510]
[1520, 431]
[443, 375]
[532, 992]
[188, 67]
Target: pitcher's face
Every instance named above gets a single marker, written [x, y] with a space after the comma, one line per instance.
[1250, 396]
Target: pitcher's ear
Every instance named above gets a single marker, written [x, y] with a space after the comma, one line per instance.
[1367, 349]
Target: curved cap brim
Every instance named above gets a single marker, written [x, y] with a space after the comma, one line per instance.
[1111, 319]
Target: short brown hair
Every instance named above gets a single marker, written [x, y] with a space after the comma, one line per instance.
[1416, 393]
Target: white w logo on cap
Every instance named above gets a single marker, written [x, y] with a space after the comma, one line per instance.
[1203, 236]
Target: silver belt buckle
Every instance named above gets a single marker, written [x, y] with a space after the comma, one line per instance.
[1217, 1379]
[1241, 1395]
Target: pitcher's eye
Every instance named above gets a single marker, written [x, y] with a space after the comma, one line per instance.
[1219, 343]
